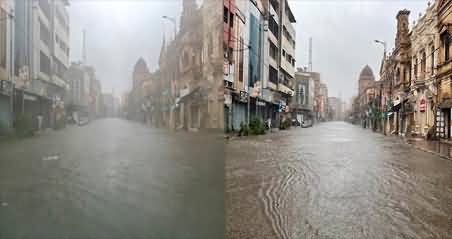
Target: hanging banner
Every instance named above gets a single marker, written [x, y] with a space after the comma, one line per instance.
[422, 105]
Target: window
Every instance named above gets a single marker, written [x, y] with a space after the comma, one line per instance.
[432, 63]
[273, 26]
[273, 50]
[415, 68]
[273, 75]
[397, 77]
[44, 33]
[231, 20]
[225, 14]
[241, 44]
[283, 53]
[446, 44]
[60, 69]
[44, 64]
[275, 5]
[423, 64]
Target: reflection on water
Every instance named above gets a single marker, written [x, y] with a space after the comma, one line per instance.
[335, 181]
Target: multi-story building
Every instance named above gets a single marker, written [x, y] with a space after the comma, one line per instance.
[259, 46]
[42, 53]
[396, 75]
[322, 102]
[83, 97]
[444, 70]
[424, 42]
[367, 91]
[192, 96]
[279, 73]
[6, 62]
[304, 98]
[335, 109]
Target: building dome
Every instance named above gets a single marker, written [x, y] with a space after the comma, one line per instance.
[141, 67]
[366, 74]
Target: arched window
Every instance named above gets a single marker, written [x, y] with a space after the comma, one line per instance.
[397, 76]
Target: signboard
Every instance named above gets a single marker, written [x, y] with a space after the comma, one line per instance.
[228, 70]
[227, 99]
[422, 105]
[243, 96]
[256, 89]
[260, 103]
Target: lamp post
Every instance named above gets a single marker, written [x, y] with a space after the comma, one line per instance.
[173, 20]
[384, 45]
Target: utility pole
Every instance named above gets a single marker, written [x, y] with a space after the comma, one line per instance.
[84, 47]
[310, 54]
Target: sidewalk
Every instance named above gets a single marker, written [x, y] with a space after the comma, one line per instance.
[441, 148]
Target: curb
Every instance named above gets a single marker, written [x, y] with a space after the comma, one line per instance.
[429, 151]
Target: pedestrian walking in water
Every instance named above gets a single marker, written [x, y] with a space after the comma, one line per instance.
[269, 124]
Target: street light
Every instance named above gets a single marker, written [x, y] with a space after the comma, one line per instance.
[382, 43]
[173, 20]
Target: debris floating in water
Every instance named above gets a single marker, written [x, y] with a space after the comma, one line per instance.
[4, 204]
[50, 158]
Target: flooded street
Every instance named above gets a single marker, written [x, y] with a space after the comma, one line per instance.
[112, 179]
[335, 180]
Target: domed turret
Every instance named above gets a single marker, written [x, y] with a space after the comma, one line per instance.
[366, 78]
[366, 73]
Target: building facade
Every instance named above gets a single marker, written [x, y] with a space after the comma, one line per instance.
[259, 63]
[304, 98]
[41, 58]
[6, 62]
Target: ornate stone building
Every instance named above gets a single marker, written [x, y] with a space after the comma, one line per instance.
[190, 71]
[444, 70]
[423, 67]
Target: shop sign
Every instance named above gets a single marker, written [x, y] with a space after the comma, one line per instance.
[260, 103]
[243, 96]
[422, 105]
[30, 97]
[229, 72]
[227, 99]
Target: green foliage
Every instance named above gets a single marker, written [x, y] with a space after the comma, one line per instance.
[285, 124]
[244, 130]
[23, 126]
[257, 126]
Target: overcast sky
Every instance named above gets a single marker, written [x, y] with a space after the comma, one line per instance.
[121, 31]
[343, 33]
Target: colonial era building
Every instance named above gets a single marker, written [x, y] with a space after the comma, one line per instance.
[363, 104]
[424, 43]
[444, 70]
[398, 69]
[192, 95]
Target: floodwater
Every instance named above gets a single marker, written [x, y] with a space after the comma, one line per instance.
[112, 179]
[335, 180]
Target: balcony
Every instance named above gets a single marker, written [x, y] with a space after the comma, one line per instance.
[285, 89]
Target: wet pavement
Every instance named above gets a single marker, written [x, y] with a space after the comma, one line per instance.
[112, 179]
[335, 180]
